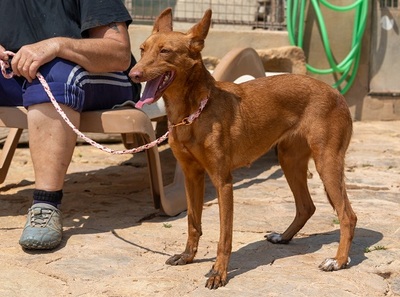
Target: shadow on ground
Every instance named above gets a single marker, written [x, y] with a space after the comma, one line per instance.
[263, 252]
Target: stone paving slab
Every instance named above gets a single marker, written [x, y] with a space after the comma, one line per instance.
[115, 243]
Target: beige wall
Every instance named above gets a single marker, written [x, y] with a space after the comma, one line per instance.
[219, 42]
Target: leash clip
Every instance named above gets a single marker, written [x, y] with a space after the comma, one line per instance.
[186, 121]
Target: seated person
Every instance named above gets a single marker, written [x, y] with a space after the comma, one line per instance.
[82, 49]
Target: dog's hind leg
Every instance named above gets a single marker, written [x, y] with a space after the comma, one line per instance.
[294, 154]
[330, 166]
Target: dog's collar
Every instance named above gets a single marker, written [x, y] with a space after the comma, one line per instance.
[190, 119]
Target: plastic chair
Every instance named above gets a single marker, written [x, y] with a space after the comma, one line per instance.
[133, 125]
[237, 63]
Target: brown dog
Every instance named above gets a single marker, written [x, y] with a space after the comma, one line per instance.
[239, 123]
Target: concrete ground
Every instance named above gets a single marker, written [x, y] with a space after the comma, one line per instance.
[115, 243]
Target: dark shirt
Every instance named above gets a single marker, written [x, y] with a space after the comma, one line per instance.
[29, 21]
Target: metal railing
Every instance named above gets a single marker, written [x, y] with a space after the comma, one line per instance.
[389, 3]
[252, 14]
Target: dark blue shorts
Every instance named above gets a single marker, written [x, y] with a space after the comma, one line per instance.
[71, 85]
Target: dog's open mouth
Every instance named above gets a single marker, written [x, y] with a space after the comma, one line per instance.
[155, 88]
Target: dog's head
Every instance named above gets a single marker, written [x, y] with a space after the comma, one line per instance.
[167, 54]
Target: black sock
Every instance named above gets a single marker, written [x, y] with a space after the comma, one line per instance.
[49, 197]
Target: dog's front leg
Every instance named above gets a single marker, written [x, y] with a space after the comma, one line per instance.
[194, 184]
[219, 271]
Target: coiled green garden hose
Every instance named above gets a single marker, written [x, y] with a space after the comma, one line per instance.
[347, 69]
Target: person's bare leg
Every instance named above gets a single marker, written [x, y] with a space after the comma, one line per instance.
[51, 143]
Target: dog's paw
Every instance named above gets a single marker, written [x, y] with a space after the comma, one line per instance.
[178, 259]
[215, 280]
[331, 264]
[276, 238]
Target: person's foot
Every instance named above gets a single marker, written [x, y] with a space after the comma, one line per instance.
[43, 228]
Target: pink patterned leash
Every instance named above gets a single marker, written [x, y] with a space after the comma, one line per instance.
[186, 121]
[6, 65]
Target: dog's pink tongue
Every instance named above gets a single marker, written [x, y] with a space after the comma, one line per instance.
[149, 92]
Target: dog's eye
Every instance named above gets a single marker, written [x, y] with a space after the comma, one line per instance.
[164, 51]
[141, 51]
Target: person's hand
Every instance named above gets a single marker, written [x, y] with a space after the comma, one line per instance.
[29, 58]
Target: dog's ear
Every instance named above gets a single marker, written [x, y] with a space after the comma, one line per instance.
[198, 32]
[163, 23]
